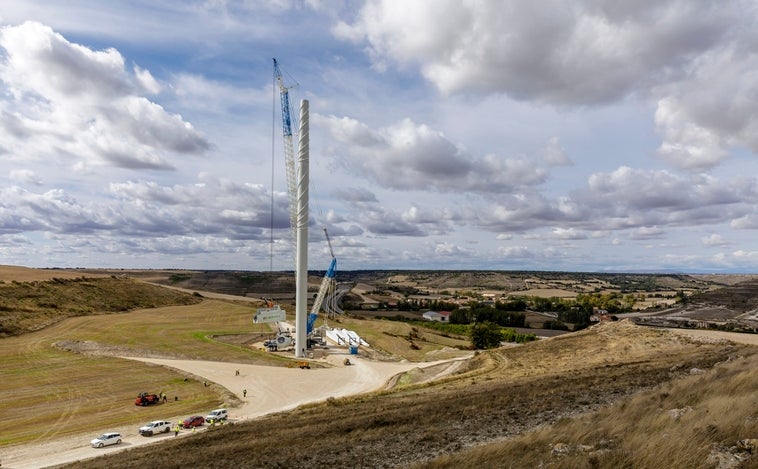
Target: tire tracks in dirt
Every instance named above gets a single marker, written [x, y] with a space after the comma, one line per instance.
[65, 393]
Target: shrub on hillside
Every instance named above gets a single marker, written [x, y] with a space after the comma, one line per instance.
[486, 335]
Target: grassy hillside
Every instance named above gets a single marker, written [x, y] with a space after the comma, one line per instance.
[31, 305]
[700, 421]
[505, 393]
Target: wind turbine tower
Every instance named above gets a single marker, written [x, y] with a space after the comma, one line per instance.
[301, 267]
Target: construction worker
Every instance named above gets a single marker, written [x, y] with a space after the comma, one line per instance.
[176, 430]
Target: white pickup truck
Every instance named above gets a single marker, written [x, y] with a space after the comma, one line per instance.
[156, 426]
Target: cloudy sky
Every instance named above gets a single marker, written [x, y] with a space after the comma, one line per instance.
[592, 135]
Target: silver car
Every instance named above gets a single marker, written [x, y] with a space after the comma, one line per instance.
[106, 439]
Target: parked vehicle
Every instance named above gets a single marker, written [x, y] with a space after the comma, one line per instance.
[194, 421]
[216, 415]
[106, 439]
[156, 426]
[300, 364]
[146, 398]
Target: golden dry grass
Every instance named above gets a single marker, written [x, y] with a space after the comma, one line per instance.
[32, 305]
[9, 273]
[53, 391]
[503, 394]
[682, 423]
[49, 392]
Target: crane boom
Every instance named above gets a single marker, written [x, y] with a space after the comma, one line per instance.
[329, 242]
[289, 151]
[326, 284]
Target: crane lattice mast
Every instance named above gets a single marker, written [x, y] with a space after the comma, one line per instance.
[327, 284]
[289, 151]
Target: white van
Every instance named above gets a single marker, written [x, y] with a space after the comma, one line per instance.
[216, 415]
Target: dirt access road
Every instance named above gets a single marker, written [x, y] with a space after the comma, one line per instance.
[269, 390]
[737, 337]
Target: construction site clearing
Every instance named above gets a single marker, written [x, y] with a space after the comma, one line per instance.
[268, 390]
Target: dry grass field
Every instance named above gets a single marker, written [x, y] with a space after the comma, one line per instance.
[10, 273]
[67, 379]
[614, 395]
[504, 396]
[54, 391]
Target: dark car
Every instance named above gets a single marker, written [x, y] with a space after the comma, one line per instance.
[194, 421]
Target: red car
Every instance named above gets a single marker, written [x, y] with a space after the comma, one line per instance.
[194, 421]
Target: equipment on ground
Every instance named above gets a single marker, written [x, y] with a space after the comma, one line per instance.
[303, 365]
[327, 284]
[282, 341]
[145, 398]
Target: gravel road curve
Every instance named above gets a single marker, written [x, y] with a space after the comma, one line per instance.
[269, 390]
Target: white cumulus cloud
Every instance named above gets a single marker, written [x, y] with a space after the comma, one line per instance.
[78, 105]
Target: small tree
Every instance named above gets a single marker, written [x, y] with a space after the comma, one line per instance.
[680, 297]
[460, 316]
[486, 335]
